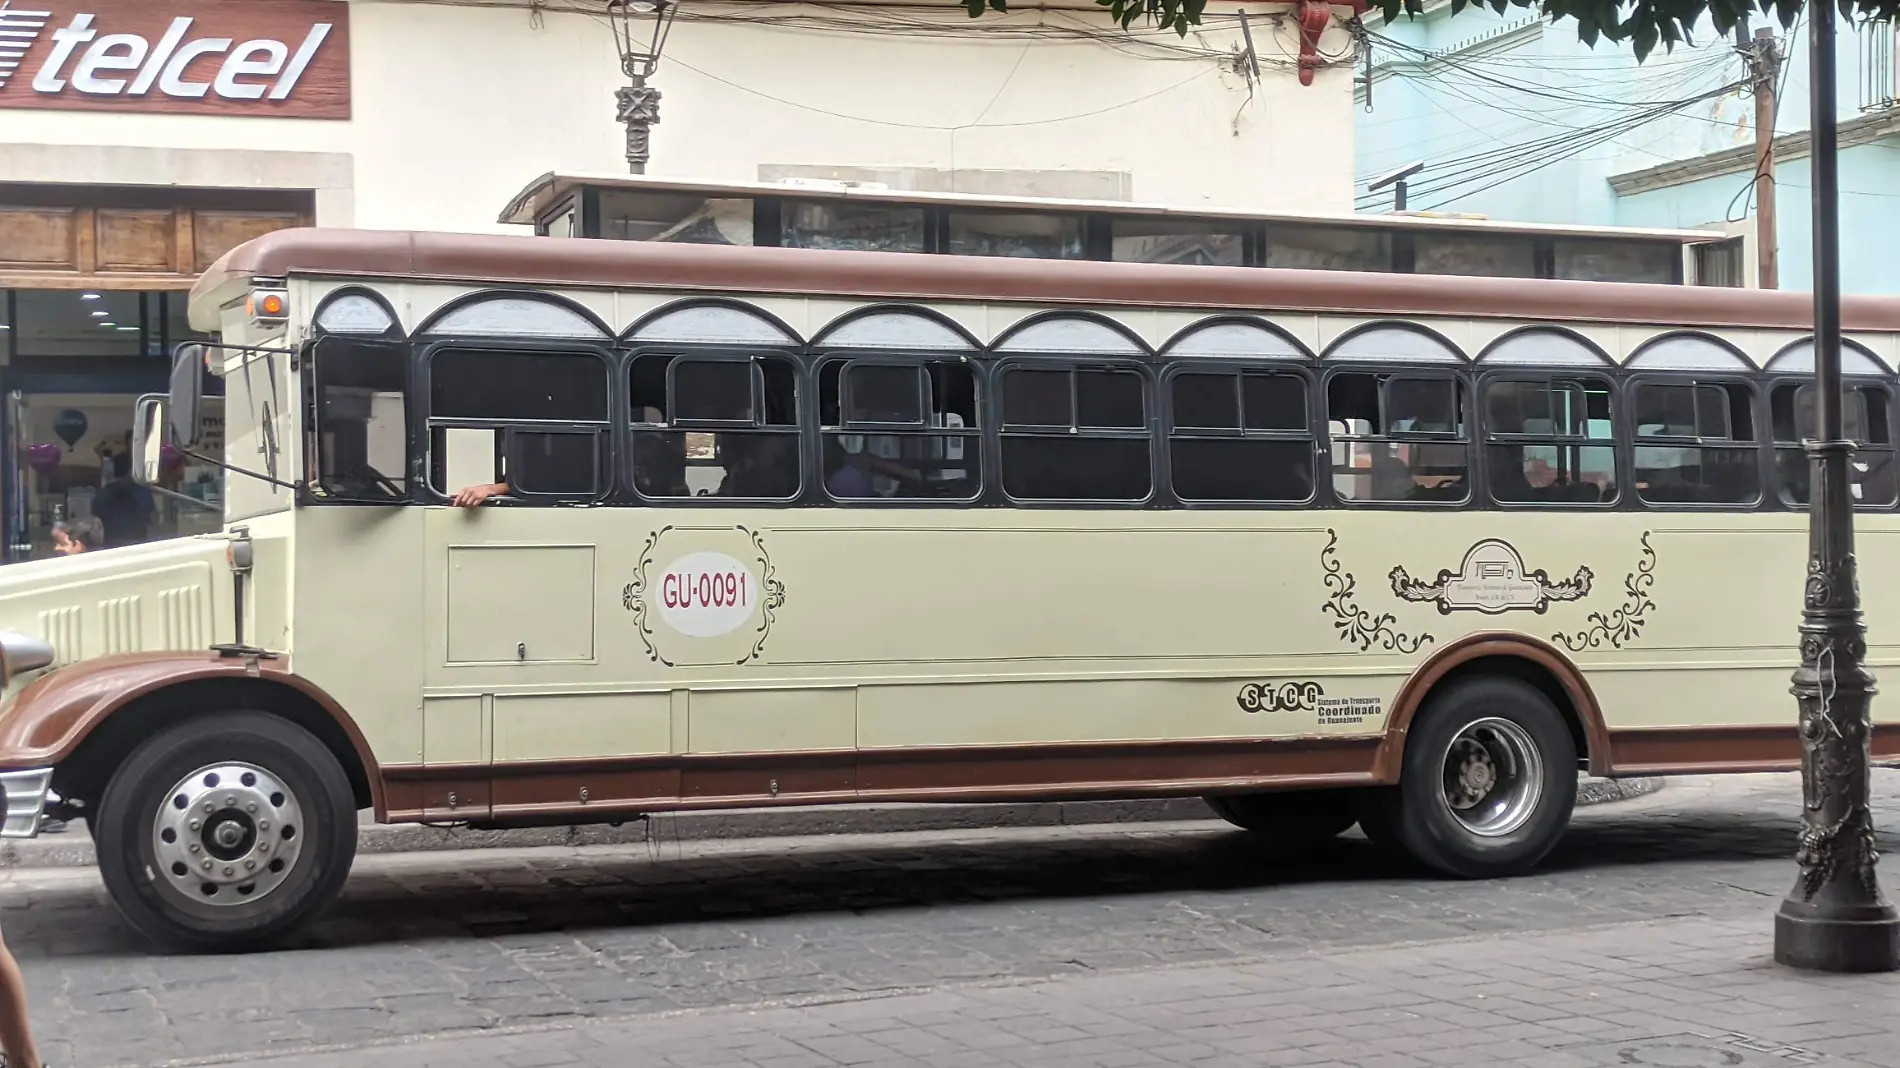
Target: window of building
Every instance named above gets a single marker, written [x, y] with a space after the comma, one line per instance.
[1474, 254]
[719, 425]
[1239, 435]
[542, 416]
[82, 323]
[1548, 440]
[1695, 442]
[900, 430]
[1328, 248]
[685, 218]
[1208, 242]
[1601, 260]
[1398, 437]
[1720, 263]
[1021, 234]
[359, 419]
[852, 226]
[1075, 433]
[1866, 419]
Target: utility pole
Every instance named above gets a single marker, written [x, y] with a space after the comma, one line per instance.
[1763, 56]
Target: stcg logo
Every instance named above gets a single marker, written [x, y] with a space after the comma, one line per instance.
[1285, 697]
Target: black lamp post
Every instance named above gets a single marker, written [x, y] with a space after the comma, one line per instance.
[638, 105]
[1835, 919]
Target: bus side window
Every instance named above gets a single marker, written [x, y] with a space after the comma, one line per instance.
[1695, 442]
[1865, 419]
[1398, 437]
[1075, 432]
[540, 417]
[1547, 441]
[1239, 436]
[899, 429]
[715, 425]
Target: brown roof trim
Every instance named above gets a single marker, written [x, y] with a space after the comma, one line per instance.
[495, 259]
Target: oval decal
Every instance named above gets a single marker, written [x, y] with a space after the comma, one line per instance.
[704, 595]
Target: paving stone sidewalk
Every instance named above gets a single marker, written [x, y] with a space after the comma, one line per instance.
[1677, 993]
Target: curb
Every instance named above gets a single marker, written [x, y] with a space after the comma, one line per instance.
[73, 848]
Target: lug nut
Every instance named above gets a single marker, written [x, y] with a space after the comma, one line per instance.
[195, 825]
[249, 864]
[209, 807]
[207, 863]
[230, 871]
[263, 825]
[194, 847]
[252, 807]
[230, 802]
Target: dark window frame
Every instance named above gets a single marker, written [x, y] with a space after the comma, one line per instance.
[507, 430]
[1633, 439]
[801, 429]
[1395, 370]
[1000, 431]
[1167, 431]
[978, 436]
[1487, 437]
[1773, 382]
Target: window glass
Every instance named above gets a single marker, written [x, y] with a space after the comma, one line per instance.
[1241, 469]
[1274, 402]
[1213, 242]
[80, 323]
[686, 218]
[361, 428]
[1206, 401]
[566, 464]
[1077, 434]
[1383, 429]
[1329, 248]
[1865, 418]
[1474, 254]
[501, 385]
[1036, 236]
[1597, 260]
[1691, 469]
[940, 460]
[758, 460]
[1109, 399]
[1037, 398]
[1076, 468]
[1547, 464]
[845, 225]
[882, 394]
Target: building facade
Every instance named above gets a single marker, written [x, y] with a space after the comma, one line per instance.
[1514, 118]
[139, 139]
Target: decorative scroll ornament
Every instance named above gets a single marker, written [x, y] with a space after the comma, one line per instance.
[1626, 623]
[704, 596]
[1356, 625]
[1493, 580]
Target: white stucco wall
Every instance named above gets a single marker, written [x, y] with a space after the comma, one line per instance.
[457, 106]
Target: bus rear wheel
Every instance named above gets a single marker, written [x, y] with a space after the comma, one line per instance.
[1294, 817]
[1489, 779]
[226, 832]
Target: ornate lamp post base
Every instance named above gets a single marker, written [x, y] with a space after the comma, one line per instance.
[1837, 937]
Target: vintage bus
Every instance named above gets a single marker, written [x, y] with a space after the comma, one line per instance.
[761, 526]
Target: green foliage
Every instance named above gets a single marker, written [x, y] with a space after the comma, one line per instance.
[1643, 23]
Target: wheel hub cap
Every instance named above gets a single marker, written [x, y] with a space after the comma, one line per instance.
[1493, 777]
[227, 834]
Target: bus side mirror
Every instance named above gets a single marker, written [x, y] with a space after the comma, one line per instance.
[187, 395]
[148, 437]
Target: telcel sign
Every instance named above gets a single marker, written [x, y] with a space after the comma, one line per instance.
[284, 58]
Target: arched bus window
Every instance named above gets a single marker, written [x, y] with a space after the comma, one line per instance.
[898, 408]
[713, 399]
[517, 387]
[1694, 416]
[1548, 434]
[358, 380]
[1238, 428]
[1398, 424]
[1074, 399]
[1866, 418]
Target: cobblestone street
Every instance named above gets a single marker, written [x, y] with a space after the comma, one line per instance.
[1159, 944]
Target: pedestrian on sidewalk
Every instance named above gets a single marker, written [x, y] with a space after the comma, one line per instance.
[16, 1033]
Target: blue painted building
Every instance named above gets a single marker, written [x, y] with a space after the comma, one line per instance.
[1516, 119]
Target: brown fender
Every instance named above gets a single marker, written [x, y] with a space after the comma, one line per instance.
[1471, 647]
[49, 719]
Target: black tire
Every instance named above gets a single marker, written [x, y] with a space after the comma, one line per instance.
[1295, 817]
[1501, 713]
[129, 819]
[1377, 811]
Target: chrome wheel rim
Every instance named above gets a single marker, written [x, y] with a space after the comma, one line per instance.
[1493, 777]
[227, 835]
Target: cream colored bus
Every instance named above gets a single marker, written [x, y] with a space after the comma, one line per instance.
[788, 527]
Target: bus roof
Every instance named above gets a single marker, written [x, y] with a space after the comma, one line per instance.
[497, 260]
[550, 188]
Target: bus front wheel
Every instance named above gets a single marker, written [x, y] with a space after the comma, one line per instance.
[1296, 817]
[226, 832]
[1489, 779]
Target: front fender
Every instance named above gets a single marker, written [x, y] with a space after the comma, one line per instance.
[53, 715]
